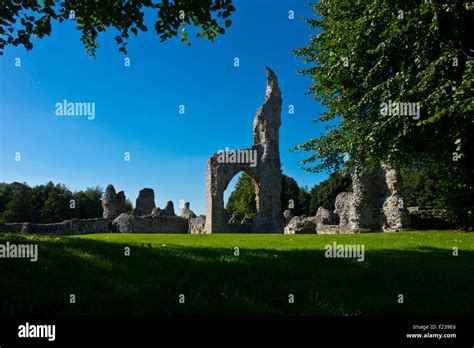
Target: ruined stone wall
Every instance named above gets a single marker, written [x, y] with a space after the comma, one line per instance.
[197, 224]
[156, 221]
[333, 229]
[344, 209]
[64, 228]
[126, 223]
[375, 204]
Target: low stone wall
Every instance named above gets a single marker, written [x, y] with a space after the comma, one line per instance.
[301, 225]
[12, 227]
[126, 223]
[338, 229]
[328, 229]
[197, 224]
[65, 228]
[88, 226]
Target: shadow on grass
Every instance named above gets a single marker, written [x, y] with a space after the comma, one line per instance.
[214, 281]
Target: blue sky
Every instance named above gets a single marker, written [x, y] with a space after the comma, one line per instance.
[137, 108]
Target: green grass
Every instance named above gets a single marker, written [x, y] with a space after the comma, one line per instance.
[419, 265]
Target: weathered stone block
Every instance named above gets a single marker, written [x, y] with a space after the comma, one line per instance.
[145, 202]
[325, 216]
[186, 212]
[301, 225]
[113, 204]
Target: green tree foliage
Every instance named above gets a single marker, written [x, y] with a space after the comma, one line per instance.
[294, 197]
[289, 194]
[88, 203]
[6, 192]
[421, 186]
[304, 202]
[48, 203]
[58, 205]
[20, 20]
[242, 200]
[366, 53]
[324, 194]
[429, 184]
[128, 206]
[16, 202]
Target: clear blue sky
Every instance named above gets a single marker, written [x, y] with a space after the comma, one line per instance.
[137, 107]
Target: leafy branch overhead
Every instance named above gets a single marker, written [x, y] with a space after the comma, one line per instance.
[22, 19]
[365, 53]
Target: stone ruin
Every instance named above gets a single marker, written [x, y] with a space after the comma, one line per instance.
[145, 202]
[145, 218]
[197, 224]
[168, 211]
[376, 201]
[113, 204]
[186, 212]
[148, 218]
[64, 228]
[266, 172]
[374, 205]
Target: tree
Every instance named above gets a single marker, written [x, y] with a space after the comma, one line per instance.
[57, 207]
[7, 191]
[20, 20]
[40, 196]
[324, 194]
[304, 202]
[421, 186]
[88, 204]
[368, 53]
[242, 200]
[289, 194]
[19, 207]
[128, 206]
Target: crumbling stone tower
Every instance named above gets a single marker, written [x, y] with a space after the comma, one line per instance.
[377, 200]
[266, 174]
[375, 203]
[113, 204]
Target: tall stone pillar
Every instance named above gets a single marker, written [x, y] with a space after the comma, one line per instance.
[266, 172]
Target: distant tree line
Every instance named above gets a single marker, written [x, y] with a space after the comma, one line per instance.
[49, 203]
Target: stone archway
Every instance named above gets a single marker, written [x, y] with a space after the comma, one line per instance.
[261, 161]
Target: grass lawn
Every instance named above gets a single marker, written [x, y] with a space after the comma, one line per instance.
[419, 265]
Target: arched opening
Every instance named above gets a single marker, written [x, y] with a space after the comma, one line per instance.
[240, 198]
